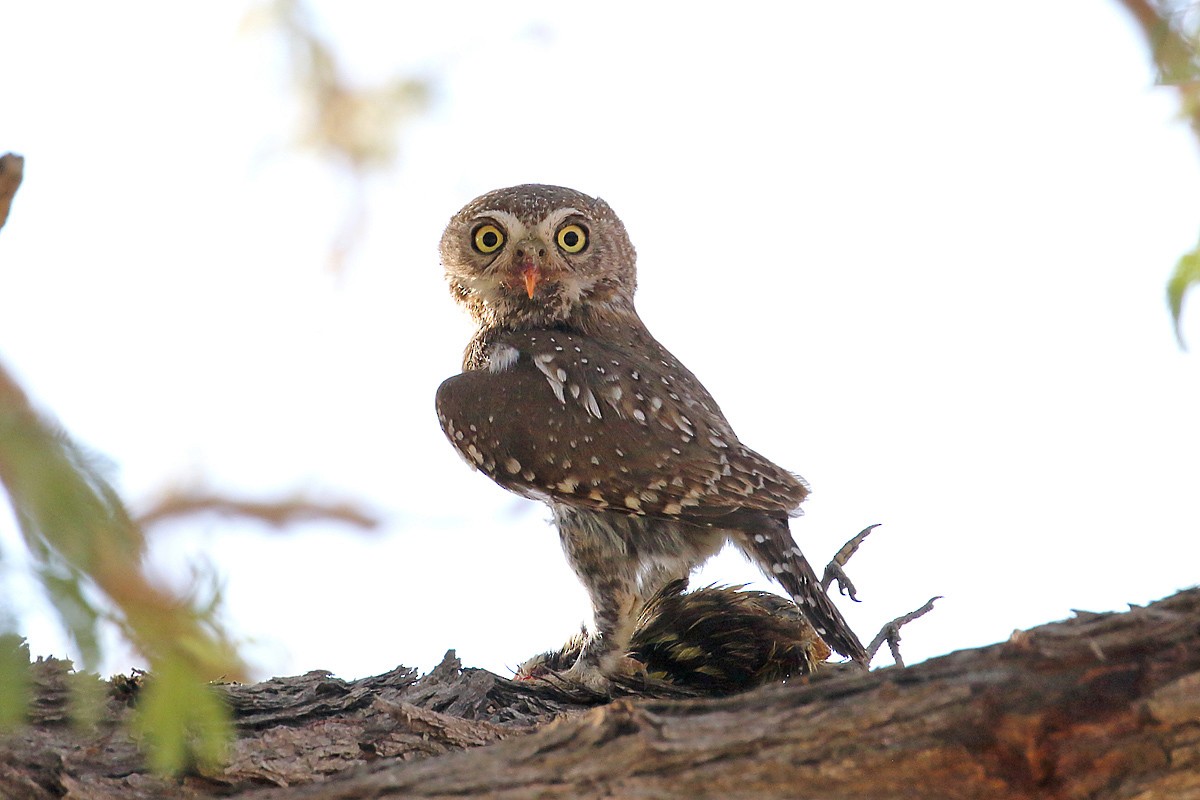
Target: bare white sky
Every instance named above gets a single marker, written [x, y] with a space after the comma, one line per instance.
[917, 252]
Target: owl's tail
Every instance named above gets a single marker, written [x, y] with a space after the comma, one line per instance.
[768, 542]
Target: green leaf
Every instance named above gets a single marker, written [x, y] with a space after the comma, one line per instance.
[183, 720]
[14, 680]
[1187, 274]
[79, 616]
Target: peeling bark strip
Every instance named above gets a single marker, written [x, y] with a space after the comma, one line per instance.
[1102, 706]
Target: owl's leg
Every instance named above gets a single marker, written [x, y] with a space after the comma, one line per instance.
[598, 548]
[623, 560]
[615, 609]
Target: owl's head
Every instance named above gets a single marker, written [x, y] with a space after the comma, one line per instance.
[536, 256]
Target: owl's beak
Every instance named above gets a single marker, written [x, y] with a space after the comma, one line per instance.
[530, 259]
[531, 275]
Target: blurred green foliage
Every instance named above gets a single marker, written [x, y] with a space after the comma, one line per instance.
[1187, 275]
[182, 719]
[89, 556]
[14, 680]
[352, 127]
[86, 551]
[355, 126]
[1172, 30]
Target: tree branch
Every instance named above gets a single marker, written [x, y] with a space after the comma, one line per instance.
[1100, 706]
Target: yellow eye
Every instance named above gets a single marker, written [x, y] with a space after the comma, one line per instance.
[488, 238]
[572, 238]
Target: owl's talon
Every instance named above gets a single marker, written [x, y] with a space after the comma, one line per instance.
[583, 673]
[533, 669]
[591, 677]
[630, 667]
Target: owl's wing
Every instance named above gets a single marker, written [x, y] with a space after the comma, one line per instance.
[557, 416]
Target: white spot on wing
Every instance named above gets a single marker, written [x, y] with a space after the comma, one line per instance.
[543, 362]
[589, 402]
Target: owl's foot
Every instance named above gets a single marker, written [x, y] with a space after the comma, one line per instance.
[585, 673]
[601, 680]
[552, 661]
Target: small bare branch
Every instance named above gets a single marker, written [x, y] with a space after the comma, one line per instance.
[891, 631]
[278, 514]
[834, 571]
[349, 125]
[12, 169]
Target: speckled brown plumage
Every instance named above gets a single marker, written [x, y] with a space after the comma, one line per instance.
[566, 398]
[717, 639]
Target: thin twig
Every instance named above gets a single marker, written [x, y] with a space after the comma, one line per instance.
[278, 514]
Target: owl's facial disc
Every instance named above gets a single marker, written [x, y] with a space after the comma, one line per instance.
[531, 258]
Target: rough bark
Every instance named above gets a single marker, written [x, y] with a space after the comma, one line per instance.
[1099, 706]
